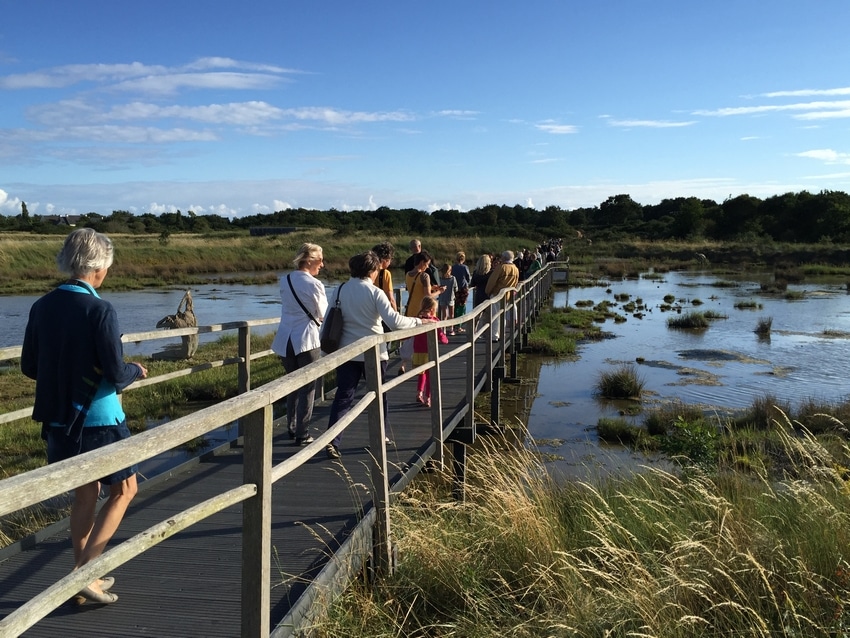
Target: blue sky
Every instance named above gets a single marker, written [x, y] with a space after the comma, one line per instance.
[239, 108]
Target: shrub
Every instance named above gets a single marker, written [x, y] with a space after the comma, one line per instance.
[763, 326]
[689, 321]
[623, 383]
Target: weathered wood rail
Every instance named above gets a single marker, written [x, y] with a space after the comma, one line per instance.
[483, 360]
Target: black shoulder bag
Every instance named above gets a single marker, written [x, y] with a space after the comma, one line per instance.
[307, 312]
[332, 326]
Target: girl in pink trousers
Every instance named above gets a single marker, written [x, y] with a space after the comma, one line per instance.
[420, 350]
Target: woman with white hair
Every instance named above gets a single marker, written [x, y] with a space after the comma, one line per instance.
[302, 306]
[72, 348]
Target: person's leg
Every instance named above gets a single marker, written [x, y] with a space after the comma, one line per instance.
[427, 376]
[290, 364]
[108, 519]
[420, 388]
[305, 396]
[82, 518]
[347, 377]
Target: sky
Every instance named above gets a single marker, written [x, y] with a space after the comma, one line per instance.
[240, 108]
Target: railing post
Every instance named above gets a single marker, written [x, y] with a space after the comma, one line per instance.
[382, 546]
[256, 525]
[244, 383]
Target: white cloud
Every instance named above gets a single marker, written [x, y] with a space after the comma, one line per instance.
[336, 117]
[281, 205]
[556, 129]
[824, 115]
[771, 108]
[649, 123]
[808, 92]
[826, 155]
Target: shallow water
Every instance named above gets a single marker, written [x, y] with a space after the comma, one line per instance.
[723, 368]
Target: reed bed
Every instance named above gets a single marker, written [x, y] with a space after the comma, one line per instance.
[656, 553]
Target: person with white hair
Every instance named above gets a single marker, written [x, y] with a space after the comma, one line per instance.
[504, 275]
[72, 348]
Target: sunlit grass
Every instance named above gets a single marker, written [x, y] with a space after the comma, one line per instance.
[651, 554]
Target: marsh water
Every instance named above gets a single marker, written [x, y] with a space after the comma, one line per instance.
[722, 368]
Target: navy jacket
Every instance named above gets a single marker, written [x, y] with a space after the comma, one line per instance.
[70, 344]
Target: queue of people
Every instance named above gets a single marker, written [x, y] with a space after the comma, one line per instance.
[72, 349]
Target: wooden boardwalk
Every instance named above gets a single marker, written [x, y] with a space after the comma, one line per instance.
[190, 584]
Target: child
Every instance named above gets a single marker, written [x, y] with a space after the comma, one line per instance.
[420, 350]
[447, 296]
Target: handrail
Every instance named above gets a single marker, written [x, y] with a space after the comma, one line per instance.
[254, 408]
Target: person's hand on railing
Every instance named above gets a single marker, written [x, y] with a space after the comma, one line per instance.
[144, 370]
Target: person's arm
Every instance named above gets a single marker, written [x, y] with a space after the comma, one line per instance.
[493, 282]
[394, 319]
[111, 353]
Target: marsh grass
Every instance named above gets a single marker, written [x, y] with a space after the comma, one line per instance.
[559, 330]
[28, 263]
[689, 321]
[764, 326]
[654, 553]
[624, 382]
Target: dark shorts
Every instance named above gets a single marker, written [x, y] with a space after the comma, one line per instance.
[60, 447]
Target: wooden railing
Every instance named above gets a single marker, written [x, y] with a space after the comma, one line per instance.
[513, 311]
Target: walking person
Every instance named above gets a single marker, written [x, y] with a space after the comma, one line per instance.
[302, 307]
[72, 348]
[446, 298]
[460, 271]
[504, 275]
[364, 306]
[420, 350]
[419, 285]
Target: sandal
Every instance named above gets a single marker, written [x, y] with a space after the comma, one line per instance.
[420, 398]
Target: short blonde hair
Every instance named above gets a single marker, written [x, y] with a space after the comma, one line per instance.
[460, 257]
[306, 254]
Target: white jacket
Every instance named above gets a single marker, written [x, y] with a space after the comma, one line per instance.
[294, 322]
[364, 306]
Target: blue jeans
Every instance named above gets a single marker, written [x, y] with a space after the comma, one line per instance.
[348, 375]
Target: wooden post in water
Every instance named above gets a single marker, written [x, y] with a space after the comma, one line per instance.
[256, 525]
[382, 547]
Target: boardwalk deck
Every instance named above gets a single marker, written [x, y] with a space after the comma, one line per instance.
[189, 585]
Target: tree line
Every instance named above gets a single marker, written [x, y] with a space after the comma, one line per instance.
[801, 217]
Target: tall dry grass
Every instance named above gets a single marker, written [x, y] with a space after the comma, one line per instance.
[647, 554]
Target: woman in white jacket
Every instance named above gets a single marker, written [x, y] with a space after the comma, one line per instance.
[363, 306]
[302, 308]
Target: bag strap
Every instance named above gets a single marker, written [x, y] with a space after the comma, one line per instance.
[307, 312]
[337, 294]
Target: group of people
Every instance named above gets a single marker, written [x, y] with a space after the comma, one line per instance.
[72, 349]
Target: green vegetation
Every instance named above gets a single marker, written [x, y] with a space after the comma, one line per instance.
[708, 552]
[689, 321]
[559, 329]
[748, 305]
[624, 382]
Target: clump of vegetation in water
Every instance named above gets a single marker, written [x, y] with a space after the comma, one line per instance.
[669, 298]
[748, 305]
[764, 326]
[624, 382]
[689, 321]
[620, 431]
[558, 330]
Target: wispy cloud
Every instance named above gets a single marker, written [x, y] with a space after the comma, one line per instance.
[556, 129]
[649, 123]
[338, 117]
[826, 155]
[201, 73]
[770, 108]
[809, 92]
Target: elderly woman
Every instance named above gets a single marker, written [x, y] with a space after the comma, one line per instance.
[302, 307]
[364, 306]
[72, 348]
